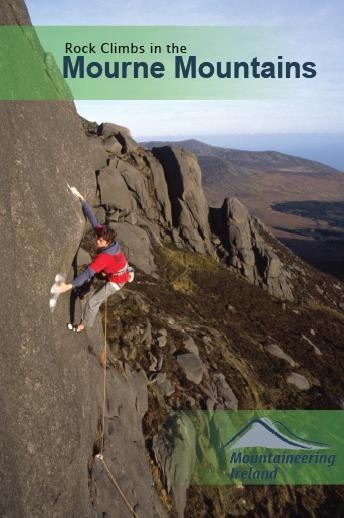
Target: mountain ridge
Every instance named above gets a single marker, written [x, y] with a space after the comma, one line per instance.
[265, 180]
[199, 147]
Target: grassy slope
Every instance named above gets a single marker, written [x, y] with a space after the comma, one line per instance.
[231, 321]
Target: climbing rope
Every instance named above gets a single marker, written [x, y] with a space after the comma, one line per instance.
[115, 484]
[100, 456]
[104, 380]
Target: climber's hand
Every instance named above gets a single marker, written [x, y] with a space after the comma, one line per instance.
[61, 288]
[76, 193]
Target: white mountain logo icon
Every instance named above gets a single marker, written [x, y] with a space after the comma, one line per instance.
[264, 433]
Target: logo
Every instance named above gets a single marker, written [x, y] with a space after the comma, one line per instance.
[264, 433]
[274, 445]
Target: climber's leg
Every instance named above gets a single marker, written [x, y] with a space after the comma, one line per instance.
[92, 305]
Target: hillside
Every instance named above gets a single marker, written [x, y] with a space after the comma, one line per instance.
[275, 176]
[264, 181]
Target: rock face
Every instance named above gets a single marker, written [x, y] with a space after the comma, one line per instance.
[175, 452]
[125, 450]
[49, 416]
[51, 380]
[247, 250]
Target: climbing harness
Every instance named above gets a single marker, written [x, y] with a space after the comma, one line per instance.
[100, 455]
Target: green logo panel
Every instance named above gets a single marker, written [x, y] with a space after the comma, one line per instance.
[268, 447]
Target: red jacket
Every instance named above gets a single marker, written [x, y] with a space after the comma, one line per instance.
[114, 265]
[109, 260]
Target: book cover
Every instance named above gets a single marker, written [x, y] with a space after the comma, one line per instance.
[172, 202]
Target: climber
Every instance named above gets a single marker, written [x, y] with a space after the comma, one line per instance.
[110, 262]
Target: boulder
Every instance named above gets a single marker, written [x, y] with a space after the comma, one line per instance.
[162, 341]
[300, 381]
[147, 335]
[108, 129]
[316, 349]
[167, 388]
[121, 133]
[192, 367]
[190, 345]
[275, 350]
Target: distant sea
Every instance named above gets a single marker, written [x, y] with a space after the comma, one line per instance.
[328, 149]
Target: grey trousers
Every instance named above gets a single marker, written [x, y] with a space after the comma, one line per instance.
[91, 307]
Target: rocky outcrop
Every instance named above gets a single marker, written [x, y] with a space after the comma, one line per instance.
[116, 138]
[246, 250]
[189, 206]
[133, 191]
[155, 197]
[136, 245]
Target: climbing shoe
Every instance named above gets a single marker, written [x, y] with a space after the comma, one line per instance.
[74, 327]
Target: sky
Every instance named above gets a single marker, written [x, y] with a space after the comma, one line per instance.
[314, 31]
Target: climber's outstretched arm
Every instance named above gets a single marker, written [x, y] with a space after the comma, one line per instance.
[90, 215]
[77, 282]
[86, 209]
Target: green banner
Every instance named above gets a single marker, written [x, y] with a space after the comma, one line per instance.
[273, 447]
[155, 63]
